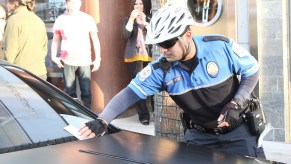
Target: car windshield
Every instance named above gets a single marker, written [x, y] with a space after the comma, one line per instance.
[32, 111]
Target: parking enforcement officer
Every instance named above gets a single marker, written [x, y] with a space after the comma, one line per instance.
[200, 75]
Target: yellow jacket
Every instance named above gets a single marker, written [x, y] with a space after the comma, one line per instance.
[25, 41]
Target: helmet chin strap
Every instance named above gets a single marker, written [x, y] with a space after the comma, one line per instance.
[186, 48]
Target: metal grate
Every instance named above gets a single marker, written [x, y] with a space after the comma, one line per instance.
[166, 117]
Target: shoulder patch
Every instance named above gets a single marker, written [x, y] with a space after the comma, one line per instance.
[145, 73]
[215, 38]
[163, 63]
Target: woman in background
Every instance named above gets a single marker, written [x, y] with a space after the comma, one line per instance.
[137, 54]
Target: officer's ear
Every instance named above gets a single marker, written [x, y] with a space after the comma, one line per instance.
[188, 36]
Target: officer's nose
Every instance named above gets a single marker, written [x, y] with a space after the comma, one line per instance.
[162, 50]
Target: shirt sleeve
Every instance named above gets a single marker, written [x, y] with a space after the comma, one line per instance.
[45, 42]
[244, 63]
[10, 42]
[147, 82]
[56, 27]
[92, 25]
[119, 103]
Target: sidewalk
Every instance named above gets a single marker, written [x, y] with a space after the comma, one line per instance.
[278, 151]
[275, 151]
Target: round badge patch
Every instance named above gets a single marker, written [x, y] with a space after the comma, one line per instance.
[212, 69]
[145, 73]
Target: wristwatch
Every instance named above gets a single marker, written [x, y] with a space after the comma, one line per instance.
[103, 121]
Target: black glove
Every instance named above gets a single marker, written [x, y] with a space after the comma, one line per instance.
[231, 112]
[97, 126]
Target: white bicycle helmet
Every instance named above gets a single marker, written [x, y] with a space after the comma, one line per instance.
[167, 23]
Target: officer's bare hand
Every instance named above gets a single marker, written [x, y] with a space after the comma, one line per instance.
[221, 122]
[229, 115]
[85, 132]
[93, 128]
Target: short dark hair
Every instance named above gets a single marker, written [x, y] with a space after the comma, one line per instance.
[30, 4]
[187, 28]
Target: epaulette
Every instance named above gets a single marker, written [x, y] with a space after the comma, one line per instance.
[164, 64]
[215, 38]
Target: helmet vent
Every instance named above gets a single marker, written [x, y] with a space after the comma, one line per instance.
[157, 23]
[175, 29]
[157, 36]
[170, 26]
[181, 18]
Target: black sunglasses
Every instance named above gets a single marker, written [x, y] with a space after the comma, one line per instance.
[171, 42]
[168, 43]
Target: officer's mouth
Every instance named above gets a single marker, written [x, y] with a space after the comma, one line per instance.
[168, 55]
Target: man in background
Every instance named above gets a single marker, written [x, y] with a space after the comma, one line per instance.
[75, 29]
[25, 39]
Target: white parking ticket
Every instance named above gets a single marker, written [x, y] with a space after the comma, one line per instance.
[74, 131]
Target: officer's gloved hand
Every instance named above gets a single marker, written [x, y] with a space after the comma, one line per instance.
[231, 112]
[97, 126]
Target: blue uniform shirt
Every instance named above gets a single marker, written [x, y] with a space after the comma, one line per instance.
[203, 92]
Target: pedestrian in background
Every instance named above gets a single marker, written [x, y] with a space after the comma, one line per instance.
[74, 30]
[137, 54]
[25, 39]
[2, 26]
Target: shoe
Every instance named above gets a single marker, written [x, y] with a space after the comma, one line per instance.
[145, 122]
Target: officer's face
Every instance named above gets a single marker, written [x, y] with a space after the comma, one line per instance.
[174, 49]
[173, 53]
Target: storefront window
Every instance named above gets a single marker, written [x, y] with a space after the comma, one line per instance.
[205, 12]
[49, 10]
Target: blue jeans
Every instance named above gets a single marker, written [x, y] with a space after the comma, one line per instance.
[83, 73]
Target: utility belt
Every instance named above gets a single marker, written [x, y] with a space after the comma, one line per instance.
[189, 124]
[253, 115]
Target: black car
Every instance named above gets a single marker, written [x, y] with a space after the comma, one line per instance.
[33, 113]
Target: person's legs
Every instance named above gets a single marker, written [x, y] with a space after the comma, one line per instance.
[70, 80]
[142, 110]
[152, 102]
[134, 68]
[84, 76]
[239, 141]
